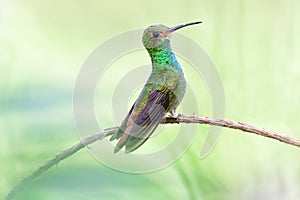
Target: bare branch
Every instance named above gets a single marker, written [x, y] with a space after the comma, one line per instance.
[234, 125]
[167, 120]
[59, 157]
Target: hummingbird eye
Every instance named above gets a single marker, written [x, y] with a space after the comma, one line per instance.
[155, 34]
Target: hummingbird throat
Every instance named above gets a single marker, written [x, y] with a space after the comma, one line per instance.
[162, 56]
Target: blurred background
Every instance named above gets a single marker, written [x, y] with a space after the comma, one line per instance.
[255, 46]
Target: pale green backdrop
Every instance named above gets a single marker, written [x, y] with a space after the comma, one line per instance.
[256, 48]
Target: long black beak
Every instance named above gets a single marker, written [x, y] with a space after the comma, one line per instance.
[174, 28]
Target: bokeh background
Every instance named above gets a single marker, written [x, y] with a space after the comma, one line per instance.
[255, 46]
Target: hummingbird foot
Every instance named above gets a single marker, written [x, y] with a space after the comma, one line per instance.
[175, 115]
[177, 118]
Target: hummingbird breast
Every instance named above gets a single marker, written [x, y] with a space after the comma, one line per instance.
[171, 76]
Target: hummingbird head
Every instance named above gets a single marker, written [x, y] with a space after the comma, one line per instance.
[158, 36]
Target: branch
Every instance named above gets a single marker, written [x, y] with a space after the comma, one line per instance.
[59, 157]
[234, 125]
[167, 120]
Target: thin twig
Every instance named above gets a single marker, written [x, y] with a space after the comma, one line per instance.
[234, 125]
[59, 157]
[167, 120]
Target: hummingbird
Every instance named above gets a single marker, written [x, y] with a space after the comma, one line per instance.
[161, 94]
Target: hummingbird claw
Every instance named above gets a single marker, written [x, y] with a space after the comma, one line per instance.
[173, 113]
[177, 118]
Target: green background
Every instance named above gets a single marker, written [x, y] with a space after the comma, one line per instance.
[255, 46]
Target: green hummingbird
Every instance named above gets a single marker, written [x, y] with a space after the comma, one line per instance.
[161, 94]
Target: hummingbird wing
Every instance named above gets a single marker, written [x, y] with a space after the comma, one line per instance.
[138, 127]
